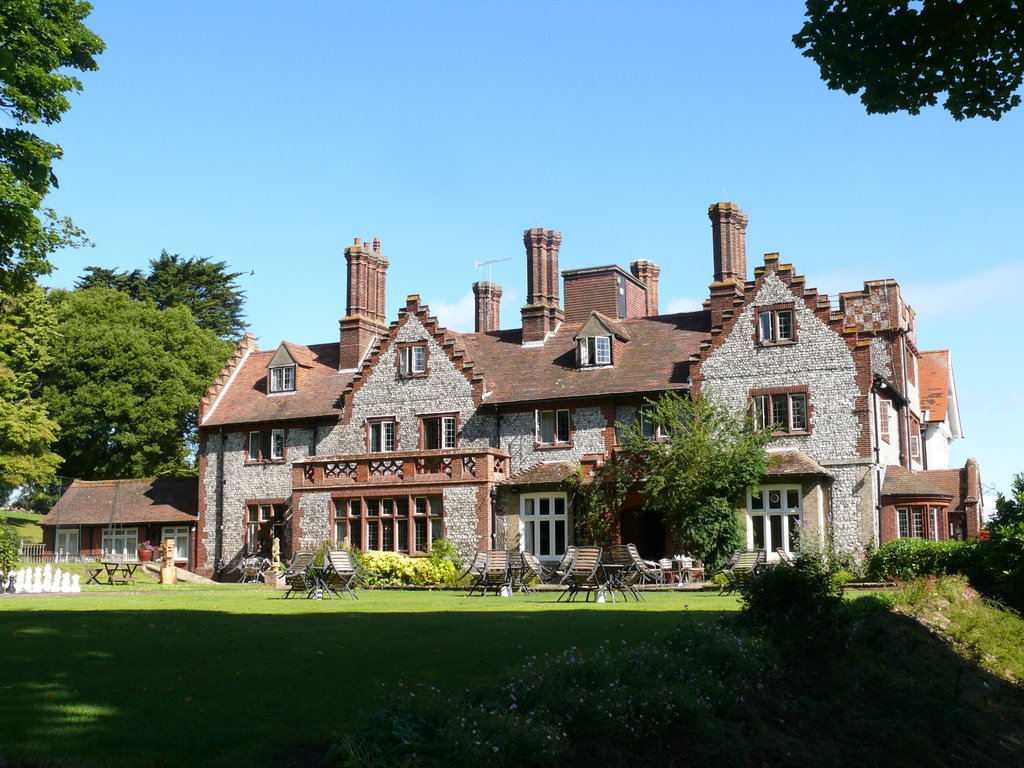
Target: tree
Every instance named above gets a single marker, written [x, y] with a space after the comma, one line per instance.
[28, 328]
[204, 286]
[697, 478]
[1010, 510]
[39, 43]
[905, 53]
[125, 384]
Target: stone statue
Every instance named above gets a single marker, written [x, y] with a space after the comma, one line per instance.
[275, 553]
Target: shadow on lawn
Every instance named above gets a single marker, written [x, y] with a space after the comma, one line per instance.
[112, 684]
[207, 688]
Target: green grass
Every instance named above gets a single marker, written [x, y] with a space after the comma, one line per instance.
[25, 525]
[234, 675]
[95, 678]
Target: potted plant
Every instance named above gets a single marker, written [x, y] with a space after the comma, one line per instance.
[147, 552]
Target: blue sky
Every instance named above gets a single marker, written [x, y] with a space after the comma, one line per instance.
[269, 135]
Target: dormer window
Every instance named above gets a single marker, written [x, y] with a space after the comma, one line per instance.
[594, 350]
[281, 369]
[282, 379]
[412, 359]
[594, 345]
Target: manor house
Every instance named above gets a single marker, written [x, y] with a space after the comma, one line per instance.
[402, 431]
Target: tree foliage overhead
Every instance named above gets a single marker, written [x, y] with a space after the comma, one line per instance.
[1010, 509]
[904, 54]
[201, 284]
[125, 383]
[697, 478]
[40, 43]
[28, 328]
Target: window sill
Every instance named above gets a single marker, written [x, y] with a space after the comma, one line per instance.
[794, 433]
[260, 462]
[551, 446]
[412, 375]
[782, 343]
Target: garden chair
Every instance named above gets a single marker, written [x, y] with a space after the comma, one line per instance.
[297, 575]
[556, 574]
[531, 569]
[585, 575]
[340, 573]
[475, 570]
[620, 571]
[647, 573]
[785, 558]
[496, 573]
[741, 568]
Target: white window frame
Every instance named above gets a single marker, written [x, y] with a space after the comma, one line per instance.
[776, 325]
[180, 535]
[67, 541]
[533, 522]
[557, 437]
[282, 379]
[768, 509]
[447, 432]
[594, 351]
[412, 360]
[764, 412]
[122, 542]
[276, 445]
[381, 436]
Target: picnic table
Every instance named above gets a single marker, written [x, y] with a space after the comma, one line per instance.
[113, 572]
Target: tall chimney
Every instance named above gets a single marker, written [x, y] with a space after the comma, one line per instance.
[729, 235]
[543, 312]
[364, 317]
[647, 273]
[488, 306]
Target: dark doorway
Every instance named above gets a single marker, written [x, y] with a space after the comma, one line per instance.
[645, 529]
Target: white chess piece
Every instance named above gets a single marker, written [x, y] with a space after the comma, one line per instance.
[65, 582]
[37, 581]
[55, 582]
[75, 586]
[19, 581]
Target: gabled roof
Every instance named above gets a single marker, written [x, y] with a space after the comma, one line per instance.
[124, 502]
[283, 356]
[933, 374]
[656, 357]
[600, 325]
[793, 463]
[317, 393]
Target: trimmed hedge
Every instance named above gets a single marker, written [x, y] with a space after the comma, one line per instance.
[910, 558]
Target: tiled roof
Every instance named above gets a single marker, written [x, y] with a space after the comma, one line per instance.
[955, 483]
[538, 474]
[106, 502]
[656, 357]
[931, 484]
[794, 463]
[318, 389]
[933, 380]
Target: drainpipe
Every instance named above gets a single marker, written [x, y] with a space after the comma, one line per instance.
[876, 447]
[906, 398]
[493, 496]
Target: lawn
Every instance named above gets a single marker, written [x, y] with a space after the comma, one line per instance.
[25, 525]
[216, 674]
[233, 675]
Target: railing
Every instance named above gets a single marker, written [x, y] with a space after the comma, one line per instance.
[456, 465]
[33, 553]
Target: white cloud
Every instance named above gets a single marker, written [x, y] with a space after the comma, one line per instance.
[992, 287]
[457, 316]
[682, 304]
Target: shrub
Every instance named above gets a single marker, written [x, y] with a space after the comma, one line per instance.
[1004, 561]
[8, 546]
[391, 569]
[799, 606]
[911, 558]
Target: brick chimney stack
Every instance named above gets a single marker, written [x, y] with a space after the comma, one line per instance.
[647, 273]
[543, 312]
[488, 306]
[729, 235]
[364, 317]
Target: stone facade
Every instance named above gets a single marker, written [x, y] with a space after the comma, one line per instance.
[847, 360]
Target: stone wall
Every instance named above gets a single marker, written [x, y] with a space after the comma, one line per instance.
[820, 361]
[518, 437]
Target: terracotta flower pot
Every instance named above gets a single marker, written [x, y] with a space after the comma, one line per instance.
[145, 555]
